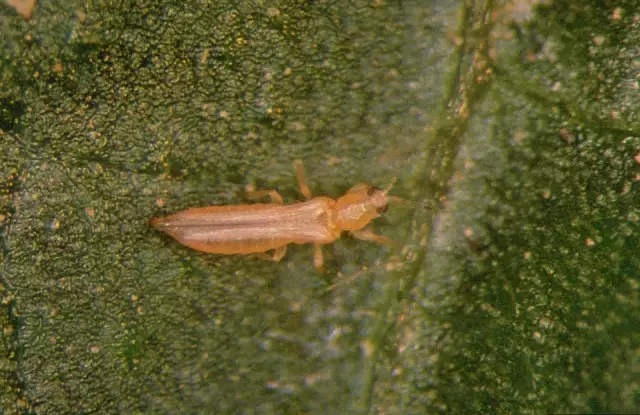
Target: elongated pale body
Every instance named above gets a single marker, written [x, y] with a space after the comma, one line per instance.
[260, 227]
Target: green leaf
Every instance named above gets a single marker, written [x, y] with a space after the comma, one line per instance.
[511, 130]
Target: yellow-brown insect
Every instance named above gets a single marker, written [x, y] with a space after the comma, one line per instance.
[257, 228]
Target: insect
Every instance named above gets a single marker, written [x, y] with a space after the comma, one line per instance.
[257, 228]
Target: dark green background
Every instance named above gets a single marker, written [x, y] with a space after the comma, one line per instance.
[513, 132]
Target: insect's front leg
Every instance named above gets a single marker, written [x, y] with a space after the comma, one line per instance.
[367, 235]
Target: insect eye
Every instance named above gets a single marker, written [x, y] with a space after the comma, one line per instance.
[382, 209]
[371, 190]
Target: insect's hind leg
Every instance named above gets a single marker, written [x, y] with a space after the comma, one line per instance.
[302, 181]
[278, 254]
[318, 258]
[274, 195]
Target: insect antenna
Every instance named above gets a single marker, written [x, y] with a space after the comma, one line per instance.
[389, 186]
[394, 199]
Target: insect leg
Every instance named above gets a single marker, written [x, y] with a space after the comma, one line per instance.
[394, 263]
[302, 181]
[318, 259]
[278, 254]
[367, 235]
[274, 195]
